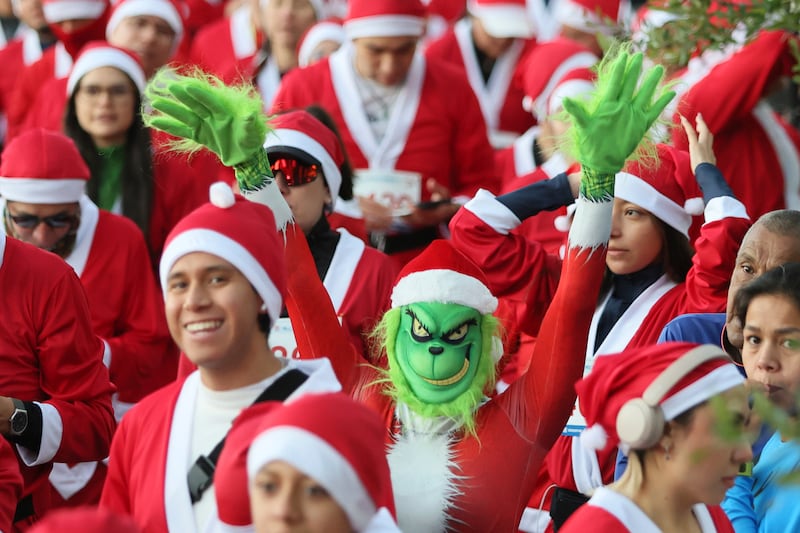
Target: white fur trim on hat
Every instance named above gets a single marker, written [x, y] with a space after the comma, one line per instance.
[162, 9]
[385, 26]
[594, 437]
[42, 191]
[215, 243]
[575, 89]
[105, 57]
[717, 381]
[301, 141]
[574, 15]
[442, 285]
[60, 11]
[634, 189]
[503, 20]
[316, 458]
[319, 33]
[579, 60]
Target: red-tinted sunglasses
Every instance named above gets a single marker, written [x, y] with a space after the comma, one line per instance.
[295, 172]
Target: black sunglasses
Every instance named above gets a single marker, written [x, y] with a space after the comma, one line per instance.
[57, 221]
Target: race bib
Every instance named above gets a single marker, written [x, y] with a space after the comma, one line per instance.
[396, 189]
[282, 340]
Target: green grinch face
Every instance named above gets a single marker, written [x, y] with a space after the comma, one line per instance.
[438, 348]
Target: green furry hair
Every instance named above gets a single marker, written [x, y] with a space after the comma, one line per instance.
[646, 153]
[463, 408]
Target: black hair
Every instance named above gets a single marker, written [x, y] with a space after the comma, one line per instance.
[783, 280]
[346, 188]
[264, 323]
[136, 178]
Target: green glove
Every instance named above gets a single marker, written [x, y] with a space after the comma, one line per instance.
[229, 121]
[609, 128]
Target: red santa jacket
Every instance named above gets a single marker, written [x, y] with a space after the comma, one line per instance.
[150, 459]
[758, 153]
[500, 97]
[10, 485]
[611, 512]
[226, 47]
[436, 127]
[50, 355]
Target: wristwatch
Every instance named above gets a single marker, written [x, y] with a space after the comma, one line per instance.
[19, 418]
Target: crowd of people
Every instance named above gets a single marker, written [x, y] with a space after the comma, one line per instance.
[393, 265]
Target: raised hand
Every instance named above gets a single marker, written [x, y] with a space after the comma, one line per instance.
[608, 128]
[700, 142]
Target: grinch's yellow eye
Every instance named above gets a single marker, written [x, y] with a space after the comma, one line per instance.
[457, 334]
[418, 330]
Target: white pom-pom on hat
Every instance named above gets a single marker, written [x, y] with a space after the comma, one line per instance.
[594, 437]
[694, 206]
[221, 195]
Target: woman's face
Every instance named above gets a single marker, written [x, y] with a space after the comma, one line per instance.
[105, 105]
[307, 200]
[636, 239]
[282, 498]
[771, 352]
[703, 463]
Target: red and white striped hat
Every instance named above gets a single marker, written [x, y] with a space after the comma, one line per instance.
[42, 167]
[385, 18]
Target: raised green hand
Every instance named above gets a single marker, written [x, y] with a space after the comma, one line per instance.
[609, 128]
[229, 121]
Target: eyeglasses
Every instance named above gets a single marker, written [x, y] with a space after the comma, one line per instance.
[114, 92]
[294, 172]
[57, 221]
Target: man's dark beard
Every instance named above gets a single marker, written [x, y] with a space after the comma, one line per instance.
[64, 246]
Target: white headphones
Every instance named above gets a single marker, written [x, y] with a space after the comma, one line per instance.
[640, 421]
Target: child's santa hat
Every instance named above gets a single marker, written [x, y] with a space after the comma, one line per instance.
[240, 232]
[99, 54]
[385, 18]
[329, 437]
[60, 10]
[163, 9]
[503, 18]
[325, 30]
[666, 187]
[85, 519]
[556, 70]
[628, 397]
[42, 167]
[443, 274]
[300, 134]
[593, 16]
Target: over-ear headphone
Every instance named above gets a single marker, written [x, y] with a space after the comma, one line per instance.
[640, 422]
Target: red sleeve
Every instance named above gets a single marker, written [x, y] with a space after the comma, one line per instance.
[10, 485]
[733, 88]
[117, 489]
[143, 357]
[591, 518]
[29, 81]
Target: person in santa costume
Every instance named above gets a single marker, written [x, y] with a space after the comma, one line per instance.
[74, 23]
[87, 520]
[652, 273]
[489, 47]
[315, 463]
[664, 404]
[34, 38]
[398, 111]
[56, 394]
[440, 338]
[44, 204]
[319, 41]
[588, 21]
[223, 278]
[103, 117]
[10, 485]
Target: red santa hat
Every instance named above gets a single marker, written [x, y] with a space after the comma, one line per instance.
[628, 397]
[86, 520]
[665, 187]
[99, 54]
[385, 18]
[301, 134]
[593, 16]
[443, 274]
[239, 231]
[556, 70]
[329, 437]
[42, 167]
[325, 30]
[503, 18]
[163, 9]
[61, 10]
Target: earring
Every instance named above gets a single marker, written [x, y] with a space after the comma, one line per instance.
[666, 452]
